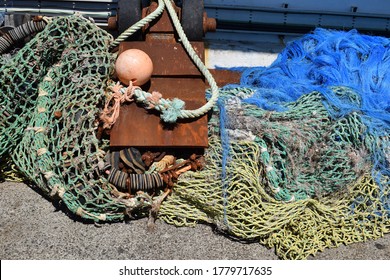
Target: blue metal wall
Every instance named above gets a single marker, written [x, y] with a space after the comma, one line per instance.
[341, 14]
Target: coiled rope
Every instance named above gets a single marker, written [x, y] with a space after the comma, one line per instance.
[20, 32]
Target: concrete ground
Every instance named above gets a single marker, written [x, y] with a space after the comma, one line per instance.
[31, 227]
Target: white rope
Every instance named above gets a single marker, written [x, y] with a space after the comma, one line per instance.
[198, 62]
[171, 110]
[132, 29]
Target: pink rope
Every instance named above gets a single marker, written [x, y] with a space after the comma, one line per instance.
[110, 114]
[153, 99]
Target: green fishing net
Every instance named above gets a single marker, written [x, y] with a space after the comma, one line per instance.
[51, 94]
[297, 181]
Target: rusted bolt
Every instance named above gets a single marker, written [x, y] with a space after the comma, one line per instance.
[209, 24]
[112, 23]
[38, 18]
[150, 9]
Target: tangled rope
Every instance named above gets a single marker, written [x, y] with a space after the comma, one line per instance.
[110, 113]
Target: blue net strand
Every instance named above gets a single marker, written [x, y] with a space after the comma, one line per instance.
[225, 157]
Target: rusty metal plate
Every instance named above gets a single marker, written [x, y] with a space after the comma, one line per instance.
[223, 77]
[163, 24]
[169, 59]
[174, 76]
[135, 127]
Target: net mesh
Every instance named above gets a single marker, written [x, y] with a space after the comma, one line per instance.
[51, 92]
[296, 177]
[294, 180]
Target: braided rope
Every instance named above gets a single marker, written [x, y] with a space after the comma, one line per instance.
[132, 29]
[171, 110]
[184, 114]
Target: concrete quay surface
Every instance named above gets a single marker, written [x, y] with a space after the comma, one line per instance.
[32, 227]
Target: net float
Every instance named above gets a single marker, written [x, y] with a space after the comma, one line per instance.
[134, 65]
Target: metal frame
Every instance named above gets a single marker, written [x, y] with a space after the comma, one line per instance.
[256, 15]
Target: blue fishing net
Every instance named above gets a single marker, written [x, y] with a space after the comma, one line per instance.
[322, 61]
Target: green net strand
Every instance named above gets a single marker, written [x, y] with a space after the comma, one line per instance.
[304, 152]
[297, 181]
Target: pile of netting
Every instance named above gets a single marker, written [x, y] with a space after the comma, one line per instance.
[51, 92]
[298, 156]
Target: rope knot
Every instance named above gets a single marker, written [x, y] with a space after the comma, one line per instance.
[118, 96]
[172, 110]
[153, 99]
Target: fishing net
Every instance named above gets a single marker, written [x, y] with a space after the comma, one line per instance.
[51, 94]
[299, 156]
[296, 161]
[295, 180]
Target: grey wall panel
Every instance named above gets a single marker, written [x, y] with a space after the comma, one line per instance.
[250, 14]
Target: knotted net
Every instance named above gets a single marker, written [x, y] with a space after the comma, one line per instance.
[296, 181]
[299, 155]
[52, 91]
[299, 179]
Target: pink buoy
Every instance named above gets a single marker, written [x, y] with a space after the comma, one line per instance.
[134, 65]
